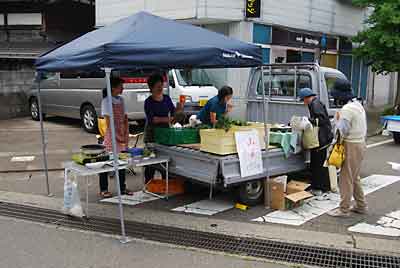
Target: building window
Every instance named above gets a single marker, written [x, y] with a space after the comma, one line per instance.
[261, 34]
[307, 57]
[2, 19]
[24, 19]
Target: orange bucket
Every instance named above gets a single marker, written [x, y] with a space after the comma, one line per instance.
[157, 186]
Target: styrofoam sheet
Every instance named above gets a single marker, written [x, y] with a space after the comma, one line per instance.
[206, 207]
[131, 200]
[316, 206]
[367, 228]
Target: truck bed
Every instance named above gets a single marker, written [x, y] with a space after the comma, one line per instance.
[225, 170]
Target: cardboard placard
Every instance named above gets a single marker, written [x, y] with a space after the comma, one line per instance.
[249, 150]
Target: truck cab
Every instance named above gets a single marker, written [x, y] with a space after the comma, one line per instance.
[283, 82]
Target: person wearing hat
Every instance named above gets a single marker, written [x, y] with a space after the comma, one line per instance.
[319, 117]
[351, 121]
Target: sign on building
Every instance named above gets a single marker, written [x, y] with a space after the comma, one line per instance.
[253, 8]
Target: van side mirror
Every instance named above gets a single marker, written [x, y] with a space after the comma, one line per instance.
[171, 83]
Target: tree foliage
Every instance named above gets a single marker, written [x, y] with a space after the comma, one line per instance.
[379, 42]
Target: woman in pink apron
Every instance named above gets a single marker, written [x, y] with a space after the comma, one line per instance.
[121, 133]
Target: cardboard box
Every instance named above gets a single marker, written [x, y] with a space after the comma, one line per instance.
[296, 186]
[286, 195]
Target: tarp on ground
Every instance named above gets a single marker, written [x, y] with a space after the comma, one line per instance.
[145, 41]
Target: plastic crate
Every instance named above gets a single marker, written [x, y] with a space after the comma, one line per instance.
[174, 136]
[221, 142]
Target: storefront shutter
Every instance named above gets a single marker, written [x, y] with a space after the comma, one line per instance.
[345, 65]
[266, 52]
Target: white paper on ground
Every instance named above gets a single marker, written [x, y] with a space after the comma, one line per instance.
[23, 158]
[313, 207]
[205, 207]
[395, 166]
[386, 225]
[131, 200]
[395, 214]
[366, 228]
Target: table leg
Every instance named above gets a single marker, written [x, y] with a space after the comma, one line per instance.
[87, 196]
[211, 190]
[167, 178]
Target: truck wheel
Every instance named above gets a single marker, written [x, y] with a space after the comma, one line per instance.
[396, 137]
[251, 193]
[34, 109]
[89, 119]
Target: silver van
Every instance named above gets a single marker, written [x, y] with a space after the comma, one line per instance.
[79, 94]
[282, 85]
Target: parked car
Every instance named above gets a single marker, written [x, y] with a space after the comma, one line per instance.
[79, 94]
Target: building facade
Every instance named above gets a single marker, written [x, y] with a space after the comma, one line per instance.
[287, 30]
[28, 29]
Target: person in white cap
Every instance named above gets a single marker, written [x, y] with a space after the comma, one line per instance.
[351, 121]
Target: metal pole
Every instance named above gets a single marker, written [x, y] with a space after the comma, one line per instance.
[115, 154]
[266, 139]
[44, 139]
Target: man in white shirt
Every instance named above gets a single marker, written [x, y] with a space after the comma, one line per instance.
[352, 125]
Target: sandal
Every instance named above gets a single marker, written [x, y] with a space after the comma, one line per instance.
[127, 192]
[105, 194]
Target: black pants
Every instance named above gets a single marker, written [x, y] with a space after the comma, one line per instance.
[103, 179]
[151, 170]
[320, 174]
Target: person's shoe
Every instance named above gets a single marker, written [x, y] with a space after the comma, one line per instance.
[317, 192]
[359, 210]
[338, 213]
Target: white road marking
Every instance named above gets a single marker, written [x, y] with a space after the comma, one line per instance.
[369, 146]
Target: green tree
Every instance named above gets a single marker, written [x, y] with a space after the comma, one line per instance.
[379, 42]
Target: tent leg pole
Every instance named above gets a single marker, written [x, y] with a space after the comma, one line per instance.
[124, 239]
[44, 141]
[266, 139]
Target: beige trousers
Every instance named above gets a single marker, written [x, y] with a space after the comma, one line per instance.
[349, 183]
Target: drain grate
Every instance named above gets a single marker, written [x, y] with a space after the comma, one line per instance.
[271, 250]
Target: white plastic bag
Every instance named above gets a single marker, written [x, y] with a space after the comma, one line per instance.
[72, 201]
[193, 121]
[333, 179]
[300, 123]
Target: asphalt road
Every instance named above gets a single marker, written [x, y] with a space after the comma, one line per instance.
[22, 136]
[25, 244]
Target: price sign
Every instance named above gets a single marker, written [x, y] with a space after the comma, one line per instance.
[249, 150]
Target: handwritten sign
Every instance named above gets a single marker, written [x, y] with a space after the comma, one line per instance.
[249, 150]
[253, 8]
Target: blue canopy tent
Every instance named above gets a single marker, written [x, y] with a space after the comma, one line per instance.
[145, 41]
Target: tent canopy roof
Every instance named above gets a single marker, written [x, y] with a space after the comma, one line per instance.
[145, 41]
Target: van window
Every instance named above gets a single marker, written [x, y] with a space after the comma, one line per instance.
[193, 77]
[283, 85]
[339, 89]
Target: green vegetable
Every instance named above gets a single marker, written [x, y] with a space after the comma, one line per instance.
[226, 123]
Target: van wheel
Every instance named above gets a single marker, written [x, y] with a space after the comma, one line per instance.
[34, 109]
[396, 137]
[89, 119]
[251, 193]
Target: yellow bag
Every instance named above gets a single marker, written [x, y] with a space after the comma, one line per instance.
[102, 126]
[337, 156]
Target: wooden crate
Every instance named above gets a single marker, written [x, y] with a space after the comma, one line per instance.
[221, 142]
